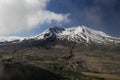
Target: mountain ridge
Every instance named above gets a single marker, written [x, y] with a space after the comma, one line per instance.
[79, 34]
[58, 51]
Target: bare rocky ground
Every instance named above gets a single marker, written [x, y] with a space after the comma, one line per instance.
[59, 61]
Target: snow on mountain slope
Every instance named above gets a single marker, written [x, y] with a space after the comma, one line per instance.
[12, 38]
[80, 34]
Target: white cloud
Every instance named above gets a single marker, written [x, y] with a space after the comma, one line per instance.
[24, 15]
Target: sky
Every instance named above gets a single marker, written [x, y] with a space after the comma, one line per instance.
[31, 17]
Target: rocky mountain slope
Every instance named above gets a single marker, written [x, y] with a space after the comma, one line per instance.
[80, 34]
[76, 53]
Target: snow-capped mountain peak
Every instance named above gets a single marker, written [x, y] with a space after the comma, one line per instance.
[78, 34]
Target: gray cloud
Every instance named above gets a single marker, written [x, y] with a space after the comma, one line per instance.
[102, 13]
[93, 16]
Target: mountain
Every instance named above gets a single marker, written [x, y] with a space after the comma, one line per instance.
[80, 34]
[12, 38]
[77, 53]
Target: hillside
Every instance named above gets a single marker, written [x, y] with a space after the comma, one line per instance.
[62, 54]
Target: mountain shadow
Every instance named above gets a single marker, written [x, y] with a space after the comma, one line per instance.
[18, 71]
